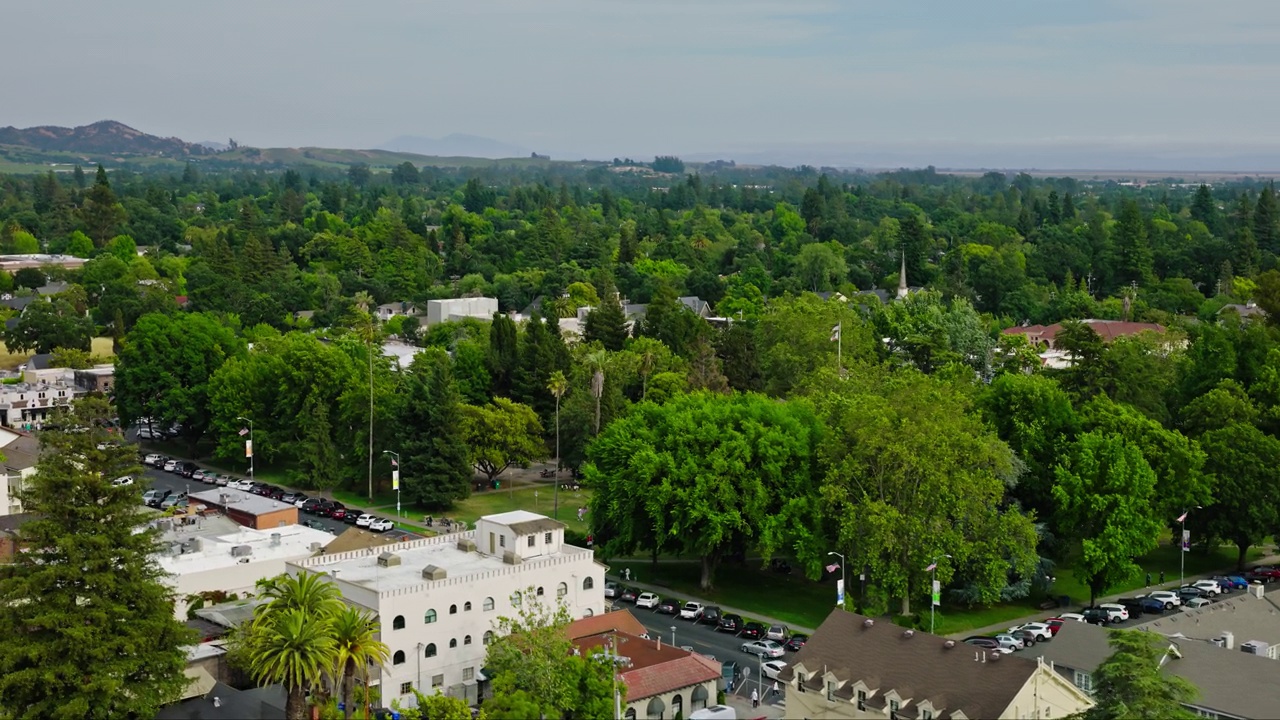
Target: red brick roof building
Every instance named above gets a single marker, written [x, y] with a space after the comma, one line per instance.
[1042, 336]
[661, 680]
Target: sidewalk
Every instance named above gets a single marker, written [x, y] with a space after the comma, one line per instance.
[668, 592]
[1168, 584]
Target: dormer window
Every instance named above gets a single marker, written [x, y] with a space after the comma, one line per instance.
[893, 709]
[862, 699]
[831, 691]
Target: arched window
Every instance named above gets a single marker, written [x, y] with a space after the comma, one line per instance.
[588, 582]
[431, 650]
[677, 706]
[466, 640]
[488, 603]
[453, 643]
[515, 599]
[630, 714]
[453, 609]
[562, 589]
[430, 617]
[488, 637]
[588, 613]
[398, 623]
[539, 591]
[466, 607]
[398, 658]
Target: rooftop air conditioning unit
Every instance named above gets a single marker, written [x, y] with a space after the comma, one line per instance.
[1220, 642]
[434, 572]
[387, 559]
[466, 544]
[275, 539]
[241, 551]
[510, 558]
[1254, 647]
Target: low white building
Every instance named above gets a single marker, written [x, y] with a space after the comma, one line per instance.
[439, 599]
[215, 553]
[482, 308]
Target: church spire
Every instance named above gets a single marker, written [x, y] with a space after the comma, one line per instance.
[902, 277]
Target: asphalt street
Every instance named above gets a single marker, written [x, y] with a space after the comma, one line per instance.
[157, 478]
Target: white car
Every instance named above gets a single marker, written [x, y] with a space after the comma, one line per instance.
[381, 525]
[1072, 616]
[772, 668]
[691, 611]
[121, 481]
[763, 648]
[170, 465]
[152, 459]
[611, 589]
[1041, 631]
[646, 600]
[1210, 586]
[1169, 598]
[362, 521]
[240, 485]
[1009, 641]
[778, 633]
[1115, 611]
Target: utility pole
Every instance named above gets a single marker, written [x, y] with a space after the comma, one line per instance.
[395, 476]
[840, 597]
[248, 448]
[935, 591]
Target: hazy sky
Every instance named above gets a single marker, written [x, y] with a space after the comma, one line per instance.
[611, 77]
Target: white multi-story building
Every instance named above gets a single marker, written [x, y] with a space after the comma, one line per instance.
[438, 599]
[481, 308]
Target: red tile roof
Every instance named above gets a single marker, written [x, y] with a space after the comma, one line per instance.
[654, 667]
[619, 620]
[1108, 330]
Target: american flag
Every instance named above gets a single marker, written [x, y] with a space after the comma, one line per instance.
[1182, 517]
[833, 567]
[244, 431]
[835, 333]
[931, 567]
[394, 463]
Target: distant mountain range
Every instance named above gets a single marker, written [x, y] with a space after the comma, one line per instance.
[455, 145]
[104, 137]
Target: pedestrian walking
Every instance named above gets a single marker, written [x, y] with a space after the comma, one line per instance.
[730, 686]
[1161, 577]
[755, 699]
[775, 688]
[1148, 579]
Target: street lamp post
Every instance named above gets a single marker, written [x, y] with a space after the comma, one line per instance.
[249, 450]
[840, 594]
[1182, 547]
[395, 477]
[673, 636]
[933, 588]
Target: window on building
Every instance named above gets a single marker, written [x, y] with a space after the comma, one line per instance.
[588, 613]
[488, 637]
[1083, 680]
[546, 538]
[431, 650]
[630, 714]
[453, 643]
[406, 688]
[926, 715]
[453, 609]
[398, 658]
[437, 681]
[430, 617]
[862, 699]
[831, 691]
[893, 709]
[466, 607]
[502, 541]
[588, 583]
[532, 539]
[466, 640]
[515, 599]
[488, 604]
[468, 674]
[539, 591]
[800, 678]
[398, 623]
[562, 589]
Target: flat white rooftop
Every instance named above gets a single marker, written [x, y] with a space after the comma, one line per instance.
[294, 542]
[514, 516]
[239, 500]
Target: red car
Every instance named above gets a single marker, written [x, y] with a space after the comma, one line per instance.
[1267, 570]
[338, 513]
[1055, 624]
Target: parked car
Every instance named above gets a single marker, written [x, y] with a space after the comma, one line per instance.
[1040, 631]
[611, 589]
[1169, 598]
[1256, 576]
[779, 633]
[1210, 586]
[710, 615]
[691, 611]
[1186, 592]
[293, 497]
[1153, 605]
[646, 600]
[172, 500]
[170, 465]
[627, 594]
[983, 641]
[752, 631]
[1117, 611]
[1133, 605]
[1009, 641]
[1096, 616]
[242, 484]
[155, 496]
[1077, 617]
[764, 648]
[338, 513]
[796, 642]
[1231, 582]
[187, 468]
[668, 606]
[198, 474]
[314, 524]
[224, 480]
[122, 481]
[364, 520]
[1268, 570]
[1027, 637]
[352, 516]
[152, 459]
[772, 668]
[310, 505]
[730, 623]
[1196, 603]
[380, 525]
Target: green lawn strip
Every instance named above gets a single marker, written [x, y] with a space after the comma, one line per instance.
[1165, 557]
[360, 499]
[492, 502]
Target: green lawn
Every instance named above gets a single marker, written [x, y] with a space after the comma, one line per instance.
[1165, 558]
[490, 502]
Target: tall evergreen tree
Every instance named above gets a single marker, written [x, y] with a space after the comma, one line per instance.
[1265, 231]
[503, 354]
[433, 457]
[86, 626]
[1205, 209]
[1068, 208]
[1133, 261]
[102, 213]
[606, 322]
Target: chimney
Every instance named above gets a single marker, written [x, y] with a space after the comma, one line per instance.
[275, 539]
[1229, 640]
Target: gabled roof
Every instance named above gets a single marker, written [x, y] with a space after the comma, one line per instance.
[619, 620]
[916, 665]
[354, 538]
[18, 303]
[652, 667]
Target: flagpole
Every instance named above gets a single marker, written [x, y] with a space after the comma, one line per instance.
[395, 476]
[249, 449]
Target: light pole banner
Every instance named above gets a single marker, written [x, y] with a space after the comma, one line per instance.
[395, 479]
[840, 592]
[937, 593]
[1186, 540]
[248, 448]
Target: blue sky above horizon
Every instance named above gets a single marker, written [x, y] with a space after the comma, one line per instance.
[614, 77]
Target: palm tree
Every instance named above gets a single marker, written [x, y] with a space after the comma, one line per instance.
[356, 635]
[558, 385]
[294, 648]
[310, 592]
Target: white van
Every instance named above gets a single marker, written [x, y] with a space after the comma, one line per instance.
[715, 712]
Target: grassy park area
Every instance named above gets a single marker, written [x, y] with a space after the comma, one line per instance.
[10, 361]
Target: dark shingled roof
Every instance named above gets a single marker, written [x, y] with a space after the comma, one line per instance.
[916, 665]
[256, 704]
